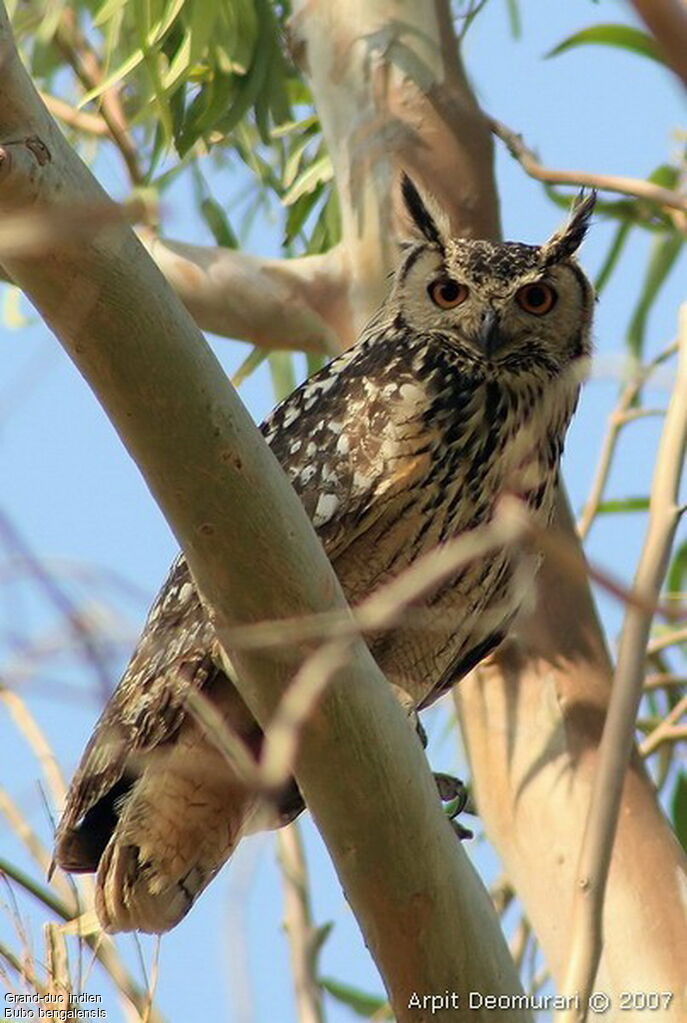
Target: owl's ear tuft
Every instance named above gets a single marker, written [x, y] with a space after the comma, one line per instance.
[567, 241]
[427, 223]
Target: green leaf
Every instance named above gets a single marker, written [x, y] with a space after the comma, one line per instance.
[293, 161]
[612, 256]
[153, 32]
[665, 251]
[675, 580]
[108, 9]
[314, 361]
[679, 809]
[362, 1003]
[327, 230]
[319, 172]
[282, 373]
[514, 20]
[298, 213]
[666, 176]
[623, 36]
[623, 504]
[207, 106]
[249, 364]
[218, 222]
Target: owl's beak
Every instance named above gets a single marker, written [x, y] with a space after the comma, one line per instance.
[489, 336]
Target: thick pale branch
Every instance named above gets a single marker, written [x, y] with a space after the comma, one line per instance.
[667, 20]
[391, 96]
[618, 733]
[294, 304]
[297, 304]
[425, 916]
[390, 92]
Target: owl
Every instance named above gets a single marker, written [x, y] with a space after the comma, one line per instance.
[459, 390]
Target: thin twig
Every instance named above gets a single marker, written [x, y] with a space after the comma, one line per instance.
[665, 731]
[382, 610]
[386, 608]
[80, 120]
[618, 734]
[303, 937]
[620, 415]
[29, 728]
[85, 63]
[664, 641]
[39, 232]
[22, 968]
[102, 946]
[635, 187]
[232, 748]
[664, 680]
[18, 823]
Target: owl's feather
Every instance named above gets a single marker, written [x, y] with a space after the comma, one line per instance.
[459, 390]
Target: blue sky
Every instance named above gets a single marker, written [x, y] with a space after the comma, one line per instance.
[79, 500]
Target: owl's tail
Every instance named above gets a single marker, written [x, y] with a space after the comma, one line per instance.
[173, 830]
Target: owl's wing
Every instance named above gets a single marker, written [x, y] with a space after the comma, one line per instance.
[177, 648]
[146, 709]
[328, 436]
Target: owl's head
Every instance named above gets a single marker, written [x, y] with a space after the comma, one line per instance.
[505, 304]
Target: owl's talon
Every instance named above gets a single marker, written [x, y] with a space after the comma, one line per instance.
[420, 729]
[456, 795]
[452, 790]
[462, 833]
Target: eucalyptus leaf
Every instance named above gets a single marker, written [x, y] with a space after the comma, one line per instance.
[624, 37]
[679, 809]
[360, 1002]
[665, 251]
[623, 504]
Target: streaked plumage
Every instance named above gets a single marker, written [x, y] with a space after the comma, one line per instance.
[459, 390]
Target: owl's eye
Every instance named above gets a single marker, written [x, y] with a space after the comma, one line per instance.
[447, 293]
[537, 299]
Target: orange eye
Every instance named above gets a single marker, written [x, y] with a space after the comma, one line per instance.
[537, 299]
[447, 293]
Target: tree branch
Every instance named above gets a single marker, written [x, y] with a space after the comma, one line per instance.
[666, 730]
[296, 304]
[80, 120]
[617, 419]
[82, 58]
[426, 918]
[618, 734]
[667, 21]
[532, 719]
[392, 96]
[635, 187]
[303, 937]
